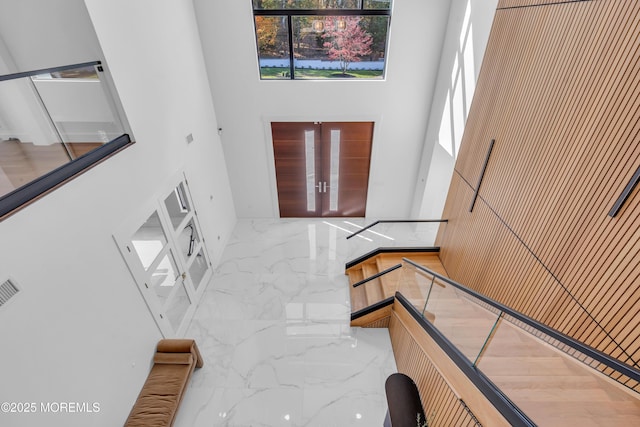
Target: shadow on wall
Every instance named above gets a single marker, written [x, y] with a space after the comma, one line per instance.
[457, 101]
[465, 42]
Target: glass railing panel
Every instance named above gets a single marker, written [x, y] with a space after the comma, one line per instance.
[28, 147]
[466, 324]
[80, 107]
[528, 372]
[49, 118]
[551, 377]
[23, 162]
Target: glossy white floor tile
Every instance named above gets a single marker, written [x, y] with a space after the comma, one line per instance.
[273, 328]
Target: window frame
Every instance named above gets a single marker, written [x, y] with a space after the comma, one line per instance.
[291, 12]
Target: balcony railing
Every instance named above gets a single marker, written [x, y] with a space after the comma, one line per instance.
[50, 119]
[413, 233]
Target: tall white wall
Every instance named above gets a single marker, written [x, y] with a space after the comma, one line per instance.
[398, 105]
[468, 30]
[21, 115]
[79, 330]
[58, 31]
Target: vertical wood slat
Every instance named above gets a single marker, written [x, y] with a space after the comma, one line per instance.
[559, 89]
[441, 404]
[380, 323]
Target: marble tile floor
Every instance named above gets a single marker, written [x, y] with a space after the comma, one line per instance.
[273, 328]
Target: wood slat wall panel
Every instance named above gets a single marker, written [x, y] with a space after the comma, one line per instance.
[559, 91]
[515, 278]
[442, 405]
[380, 323]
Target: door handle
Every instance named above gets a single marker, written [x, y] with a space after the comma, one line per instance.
[322, 186]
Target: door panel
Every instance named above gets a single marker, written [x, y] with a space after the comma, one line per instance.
[166, 255]
[354, 153]
[294, 145]
[325, 176]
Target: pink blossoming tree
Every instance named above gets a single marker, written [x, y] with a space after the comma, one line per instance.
[346, 40]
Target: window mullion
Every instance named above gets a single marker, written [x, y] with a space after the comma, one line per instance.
[291, 65]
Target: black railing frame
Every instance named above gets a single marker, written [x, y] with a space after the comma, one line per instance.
[47, 70]
[375, 276]
[626, 193]
[42, 185]
[588, 351]
[386, 221]
[373, 307]
[390, 250]
[502, 403]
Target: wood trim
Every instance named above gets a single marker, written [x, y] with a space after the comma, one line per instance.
[375, 319]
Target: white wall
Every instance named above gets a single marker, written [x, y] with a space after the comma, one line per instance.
[467, 35]
[398, 105]
[21, 115]
[79, 330]
[59, 33]
[57, 30]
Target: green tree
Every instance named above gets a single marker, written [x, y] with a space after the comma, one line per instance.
[377, 26]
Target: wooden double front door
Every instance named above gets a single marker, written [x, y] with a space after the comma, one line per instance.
[322, 169]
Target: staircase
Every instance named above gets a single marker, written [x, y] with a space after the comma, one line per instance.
[384, 287]
[481, 352]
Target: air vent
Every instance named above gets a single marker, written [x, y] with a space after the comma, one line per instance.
[7, 291]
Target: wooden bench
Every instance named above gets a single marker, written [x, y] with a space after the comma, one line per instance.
[158, 401]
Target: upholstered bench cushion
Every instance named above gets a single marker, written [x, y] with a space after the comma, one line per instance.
[173, 358]
[158, 401]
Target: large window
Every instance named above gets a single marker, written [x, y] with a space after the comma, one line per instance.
[322, 39]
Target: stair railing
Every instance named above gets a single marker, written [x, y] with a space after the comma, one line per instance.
[492, 314]
[375, 276]
[390, 221]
